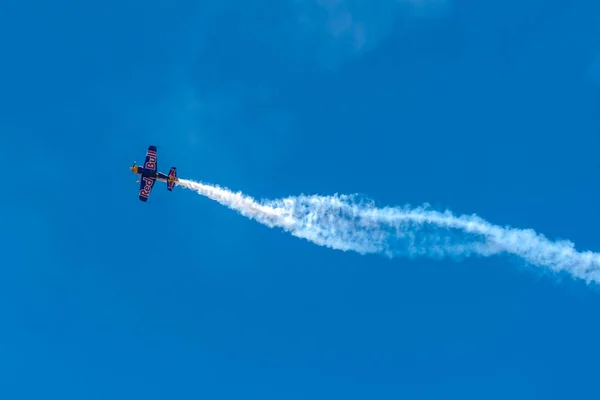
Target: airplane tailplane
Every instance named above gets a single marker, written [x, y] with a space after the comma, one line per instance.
[172, 178]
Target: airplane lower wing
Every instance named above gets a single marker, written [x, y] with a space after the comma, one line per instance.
[146, 185]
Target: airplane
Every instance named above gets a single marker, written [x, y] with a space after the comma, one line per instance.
[149, 174]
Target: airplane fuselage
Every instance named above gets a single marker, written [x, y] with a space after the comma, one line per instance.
[143, 172]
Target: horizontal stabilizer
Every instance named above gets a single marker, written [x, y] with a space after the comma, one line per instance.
[172, 178]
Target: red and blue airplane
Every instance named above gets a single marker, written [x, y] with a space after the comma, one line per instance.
[149, 174]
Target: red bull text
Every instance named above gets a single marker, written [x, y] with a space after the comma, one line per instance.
[151, 163]
[145, 192]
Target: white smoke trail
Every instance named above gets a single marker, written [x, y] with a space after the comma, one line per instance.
[345, 222]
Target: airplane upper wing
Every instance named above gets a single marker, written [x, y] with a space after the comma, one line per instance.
[151, 159]
[146, 185]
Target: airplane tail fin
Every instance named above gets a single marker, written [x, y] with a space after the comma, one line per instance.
[172, 178]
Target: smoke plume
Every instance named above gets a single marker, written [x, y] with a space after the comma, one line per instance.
[350, 222]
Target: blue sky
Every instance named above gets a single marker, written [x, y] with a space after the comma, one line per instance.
[480, 107]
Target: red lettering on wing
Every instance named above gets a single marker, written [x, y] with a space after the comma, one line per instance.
[151, 163]
[145, 192]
